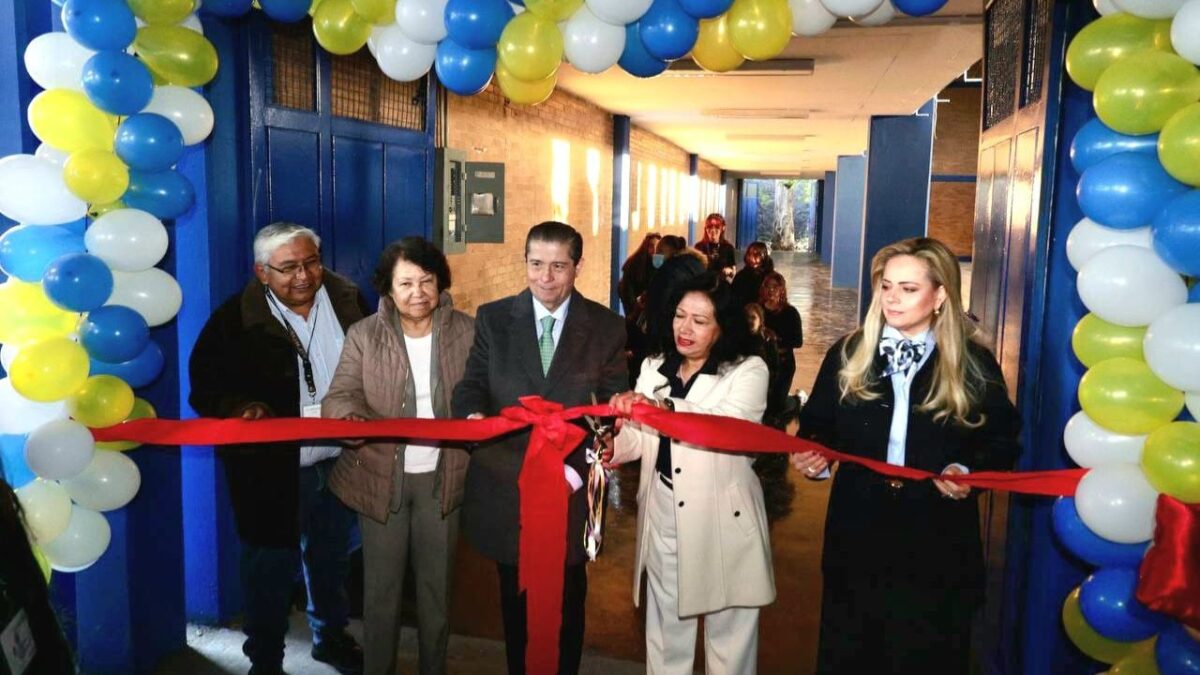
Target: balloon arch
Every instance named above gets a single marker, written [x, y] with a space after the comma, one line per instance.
[118, 111]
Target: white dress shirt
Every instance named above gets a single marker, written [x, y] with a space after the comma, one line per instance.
[560, 317]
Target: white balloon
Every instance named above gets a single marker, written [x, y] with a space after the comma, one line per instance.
[55, 61]
[1185, 31]
[81, 544]
[187, 109]
[8, 352]
[1149, 9]
[51, 154]
[422, 21]
[850, 8]
[59, 449]
[1091, 445]
[1089, 237]
[1117, 502]
[375, 32]
[618, 12]
[192, 22]
[47, 508]
[32, 192]
[1129, 286]
[517, 9]
[19, 415]
[108, 483]
[153, 293]
[810, 18]
[1193, 403]
[1172, 347]
[1105, 7]
[128, 240]
[402, 58]
[591, 44]
[882, 14]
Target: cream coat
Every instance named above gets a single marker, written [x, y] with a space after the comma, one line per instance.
[724, 548]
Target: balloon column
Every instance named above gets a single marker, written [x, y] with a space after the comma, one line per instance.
[1138, 162]
[115, 116]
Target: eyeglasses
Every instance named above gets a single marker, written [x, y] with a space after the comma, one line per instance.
[292, 269]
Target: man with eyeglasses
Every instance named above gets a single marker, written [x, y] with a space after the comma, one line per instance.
[270, 351]
[549, 341]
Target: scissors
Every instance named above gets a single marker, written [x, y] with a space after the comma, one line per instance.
[597, 483]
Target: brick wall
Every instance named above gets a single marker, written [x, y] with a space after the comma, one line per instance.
[955, 152]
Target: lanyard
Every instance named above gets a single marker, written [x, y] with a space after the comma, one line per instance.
[301, 350]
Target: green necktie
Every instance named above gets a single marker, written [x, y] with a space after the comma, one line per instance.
[546, 343]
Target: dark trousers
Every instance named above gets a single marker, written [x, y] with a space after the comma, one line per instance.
[570, 636]
[268, 573]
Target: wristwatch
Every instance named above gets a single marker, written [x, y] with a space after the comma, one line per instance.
[666, 403]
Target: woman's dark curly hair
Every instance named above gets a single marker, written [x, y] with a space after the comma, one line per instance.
[416, 250]
[733, 344]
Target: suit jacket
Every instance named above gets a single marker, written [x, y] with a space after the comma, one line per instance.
[243, 356]
[916, 535]
[504, 365]
[724, 548]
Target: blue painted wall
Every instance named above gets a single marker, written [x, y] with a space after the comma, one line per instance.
[848, 213]
[828, 195]
[899, 156]
[620, 206]
[747, 221]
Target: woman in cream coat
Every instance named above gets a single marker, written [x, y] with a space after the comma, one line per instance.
[702, 527]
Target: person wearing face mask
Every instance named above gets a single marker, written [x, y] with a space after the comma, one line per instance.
[902, 561]
[750, 278]
[636, 273]
[702, 535]
[404, 361]
[680, 264]
[720, 253]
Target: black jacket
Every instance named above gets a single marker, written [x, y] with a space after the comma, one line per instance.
[243, 356]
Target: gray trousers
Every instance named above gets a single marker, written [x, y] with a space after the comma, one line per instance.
[416, 533]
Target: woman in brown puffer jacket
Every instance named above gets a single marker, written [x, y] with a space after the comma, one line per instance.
[404, 361]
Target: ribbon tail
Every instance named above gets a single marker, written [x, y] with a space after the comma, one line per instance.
[1169, 579]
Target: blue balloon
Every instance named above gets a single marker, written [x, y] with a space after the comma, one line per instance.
[227, 8]
[100, 25]
[79, 282]
[1109, 603]
[705, 9]
[1095, 141]
[464, 71]
[163, 194]
[1176, 652]
[12, 460]
[635, 59]
[149, 142]
[139, 371]
[1126, 190]
[919, 7]
[27, 250]
[289, 11]
[477, 24]
[1176, 233]
[1087, 545]
[117, 83]
[114, 334]
[1194, 293]
[668, 32]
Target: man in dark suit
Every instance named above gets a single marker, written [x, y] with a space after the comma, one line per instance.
[550, 341]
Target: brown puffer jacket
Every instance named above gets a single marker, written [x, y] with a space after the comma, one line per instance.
[370, 382]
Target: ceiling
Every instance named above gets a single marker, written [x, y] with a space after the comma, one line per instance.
[797, 124]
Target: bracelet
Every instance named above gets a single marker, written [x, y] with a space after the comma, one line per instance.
[665, 403]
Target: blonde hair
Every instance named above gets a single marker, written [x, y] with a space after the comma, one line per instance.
[958, 376]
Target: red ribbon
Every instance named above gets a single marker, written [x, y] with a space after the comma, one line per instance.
[1169, 580]
[543, 490]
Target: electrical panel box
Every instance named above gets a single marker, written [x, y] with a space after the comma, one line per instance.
[449, 207]
[484, 202]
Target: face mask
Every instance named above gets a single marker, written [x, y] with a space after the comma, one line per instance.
[657, 260]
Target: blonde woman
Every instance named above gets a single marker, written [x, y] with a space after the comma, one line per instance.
[902, 561]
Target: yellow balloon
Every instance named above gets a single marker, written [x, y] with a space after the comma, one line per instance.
[27, 315]
[67, 120]
[760, 29]
[142, 410]
[43, 563]
[97, 210]
[381, 12]
[102, 401]
[161, 11]
[176, 55]
[524, 91]
[1139, 661]
[49, 370]
[1109, 38]
[1125, 396]
[96, 176]
[553, 10]
[1096, 340]
[1171, 460]
[1140, 92]
[1087, 639]
[1179, 145]
[531, 47]
[714, 51]
[339, 29]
